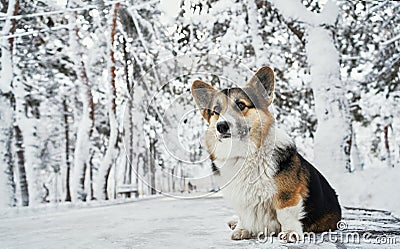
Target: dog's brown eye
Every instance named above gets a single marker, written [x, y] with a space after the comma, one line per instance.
[241, 105]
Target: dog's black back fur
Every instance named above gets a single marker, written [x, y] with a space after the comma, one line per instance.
[322, 198]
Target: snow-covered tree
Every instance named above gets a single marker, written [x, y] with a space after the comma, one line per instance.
[110, 154]
[12, 94]
[331, 149]
[85, 127]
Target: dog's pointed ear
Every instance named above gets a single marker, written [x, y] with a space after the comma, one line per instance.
[264, 83]
[202, 93]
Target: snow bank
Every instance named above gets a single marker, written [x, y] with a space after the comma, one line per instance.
[375, 188]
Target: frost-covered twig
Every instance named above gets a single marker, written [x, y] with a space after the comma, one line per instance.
[34, 32]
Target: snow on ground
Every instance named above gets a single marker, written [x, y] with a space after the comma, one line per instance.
[158, 223]
[376, 188]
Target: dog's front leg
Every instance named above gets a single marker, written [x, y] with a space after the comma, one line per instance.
[291, 226]
[239, 233]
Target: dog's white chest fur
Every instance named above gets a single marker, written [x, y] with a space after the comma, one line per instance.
[248, 185]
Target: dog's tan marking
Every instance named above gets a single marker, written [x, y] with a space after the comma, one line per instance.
[261, 122]
[291, 185]
[326, 222]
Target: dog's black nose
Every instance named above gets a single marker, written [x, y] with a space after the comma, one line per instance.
[223, 127]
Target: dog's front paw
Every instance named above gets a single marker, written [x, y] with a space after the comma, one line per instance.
[290, 236]
[232, 224]
[240, 234]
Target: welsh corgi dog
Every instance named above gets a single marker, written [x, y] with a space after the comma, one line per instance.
[273, 189]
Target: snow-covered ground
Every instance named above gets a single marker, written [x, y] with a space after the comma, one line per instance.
[159, 223]
[376, 188]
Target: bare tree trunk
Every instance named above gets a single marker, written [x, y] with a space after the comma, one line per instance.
[387, 147]
[153, 166]
[91, 176]
[67, 159]
[184, 181]
[105, 167]
[173, 179]
[139, 159]
[67, 184]
[23, 183]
